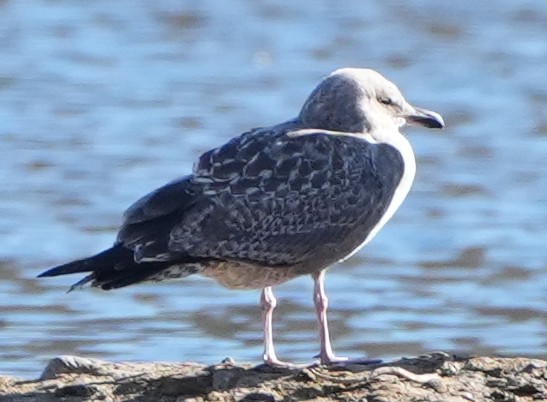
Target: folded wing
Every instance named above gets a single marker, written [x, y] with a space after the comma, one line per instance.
[267, 197]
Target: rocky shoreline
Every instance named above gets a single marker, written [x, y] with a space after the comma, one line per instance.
[434, 377]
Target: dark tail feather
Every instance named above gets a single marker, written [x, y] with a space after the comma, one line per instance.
[108, 258]
[103, 263]
[114, 268]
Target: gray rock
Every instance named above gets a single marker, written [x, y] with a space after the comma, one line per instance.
[431, 378]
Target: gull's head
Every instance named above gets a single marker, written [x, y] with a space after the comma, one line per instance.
[360, 100]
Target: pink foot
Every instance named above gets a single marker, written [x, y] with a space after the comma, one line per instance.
[331, 360]
[275, 362]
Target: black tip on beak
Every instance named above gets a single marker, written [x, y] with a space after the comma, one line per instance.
[425, 118]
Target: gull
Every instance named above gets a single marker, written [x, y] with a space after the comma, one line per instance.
[275, 202]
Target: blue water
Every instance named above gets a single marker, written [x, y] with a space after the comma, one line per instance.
[101, 102]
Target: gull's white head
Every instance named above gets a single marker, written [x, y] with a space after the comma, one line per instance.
[359, 100]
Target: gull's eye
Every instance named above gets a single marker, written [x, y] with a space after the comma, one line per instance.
[386, 101]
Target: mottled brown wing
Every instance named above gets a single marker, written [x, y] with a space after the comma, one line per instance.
[276, 199]
[148, 223]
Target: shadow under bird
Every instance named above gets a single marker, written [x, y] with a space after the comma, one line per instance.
[275, 202]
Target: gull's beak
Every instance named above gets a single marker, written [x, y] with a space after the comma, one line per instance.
[426, 118]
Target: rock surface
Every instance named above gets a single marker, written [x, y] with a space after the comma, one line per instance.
[435, 377]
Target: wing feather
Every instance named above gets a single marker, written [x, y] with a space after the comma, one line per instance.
[267, 197]
[279, 199]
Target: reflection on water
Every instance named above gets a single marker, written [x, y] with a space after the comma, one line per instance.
[100, 103]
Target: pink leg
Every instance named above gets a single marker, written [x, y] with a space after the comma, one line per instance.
[268, 302]
[321, 301]
[321, 304]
